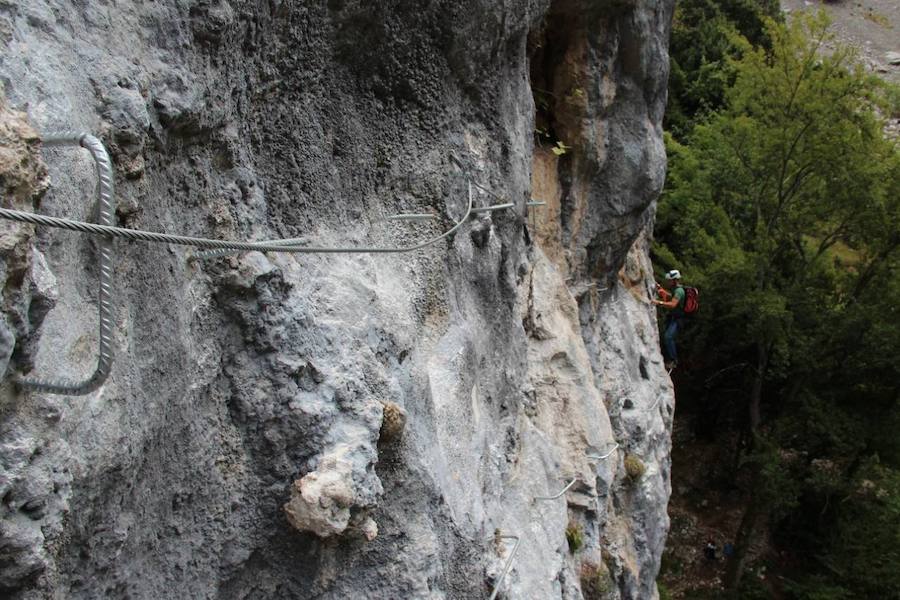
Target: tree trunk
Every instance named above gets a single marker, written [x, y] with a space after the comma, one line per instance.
[746, 532]
[762, 361]
[738, 454]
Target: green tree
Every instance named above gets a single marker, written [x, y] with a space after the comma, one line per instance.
[795, 164]
[705, 35]
[784, 205]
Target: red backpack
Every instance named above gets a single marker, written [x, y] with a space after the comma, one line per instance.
[691, 300]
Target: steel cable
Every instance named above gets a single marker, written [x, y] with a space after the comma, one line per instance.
[208, 254]
[106, 231]
[183, 240]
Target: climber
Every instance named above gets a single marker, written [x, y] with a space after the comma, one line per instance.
[728, 550]
[673, 300]
[710, 551]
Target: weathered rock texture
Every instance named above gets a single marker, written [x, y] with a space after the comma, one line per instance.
[238, 448]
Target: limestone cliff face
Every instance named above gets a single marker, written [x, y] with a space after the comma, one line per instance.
[351, 425]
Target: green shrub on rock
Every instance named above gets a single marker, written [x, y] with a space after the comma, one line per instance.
[634, 467]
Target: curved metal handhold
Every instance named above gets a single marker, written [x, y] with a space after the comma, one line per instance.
[493, 207]
[604, 456]
[508, 564]
[411, 217]
[554, 497]
[105, 246]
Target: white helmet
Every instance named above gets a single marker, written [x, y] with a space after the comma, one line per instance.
[673, 274]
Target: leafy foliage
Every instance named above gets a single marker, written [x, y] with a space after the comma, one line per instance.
[783, 205]
[634, 467]
[595, 581]
[706, 34]
[574, 537]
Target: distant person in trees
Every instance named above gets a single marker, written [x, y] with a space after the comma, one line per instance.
[674, 301]
[728, 550]
[710, 551]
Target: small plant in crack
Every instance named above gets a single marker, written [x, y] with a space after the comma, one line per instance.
[634, 467]
[575, 537]
[560, 148]
[596, 582]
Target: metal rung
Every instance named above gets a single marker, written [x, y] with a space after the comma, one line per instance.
[411, 217]
[429, 216]
[508, 564]
[106, 194]
[493, 207]
[604, 456]
[555, 496]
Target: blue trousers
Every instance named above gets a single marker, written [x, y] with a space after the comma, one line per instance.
[673, 324]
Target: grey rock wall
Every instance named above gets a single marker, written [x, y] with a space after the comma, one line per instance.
[335, 425]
